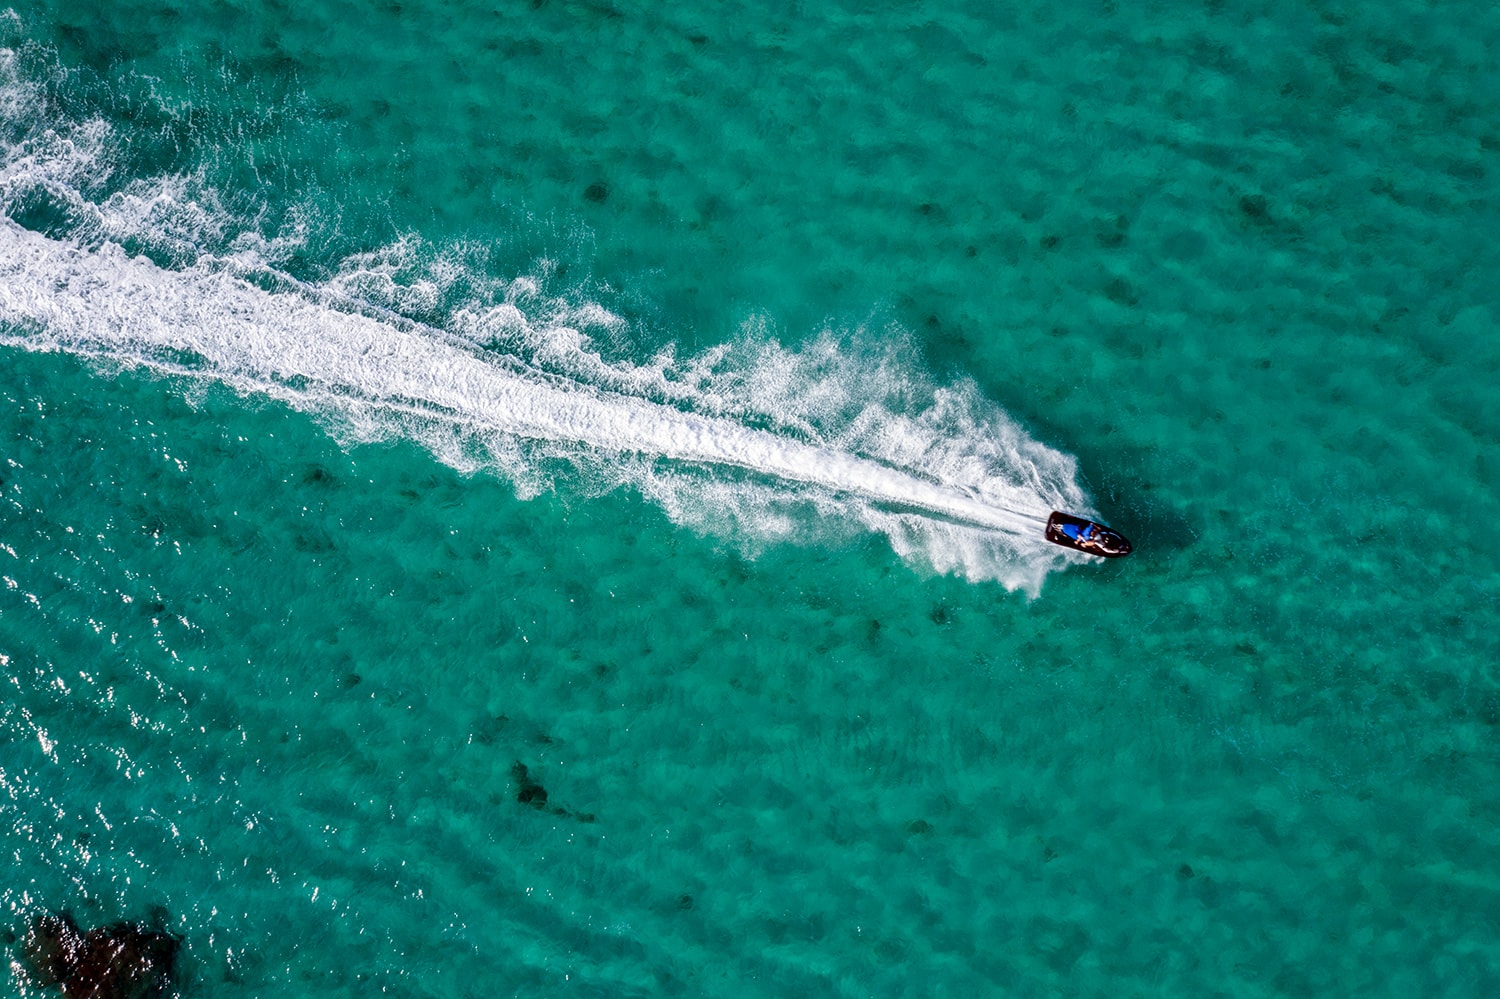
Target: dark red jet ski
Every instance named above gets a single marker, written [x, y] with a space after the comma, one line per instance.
[1086, 536]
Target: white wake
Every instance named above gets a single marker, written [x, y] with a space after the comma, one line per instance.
[750, 440]
[381, 377]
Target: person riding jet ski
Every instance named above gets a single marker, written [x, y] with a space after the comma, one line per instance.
[1086, 536]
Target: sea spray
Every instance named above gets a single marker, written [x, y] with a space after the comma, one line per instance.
[509, 374]
[952, 485]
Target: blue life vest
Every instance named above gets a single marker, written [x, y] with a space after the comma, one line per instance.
[1075, 532]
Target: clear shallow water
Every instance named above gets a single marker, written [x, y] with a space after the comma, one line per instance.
[272, 653]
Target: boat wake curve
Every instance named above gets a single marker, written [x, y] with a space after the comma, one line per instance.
[972, 505]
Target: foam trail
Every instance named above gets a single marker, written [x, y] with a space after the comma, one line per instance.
[748, 440]
[207, 323]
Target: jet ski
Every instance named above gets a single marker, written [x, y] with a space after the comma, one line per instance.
[1086, 536]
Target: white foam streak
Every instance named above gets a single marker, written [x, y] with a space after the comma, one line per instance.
[939, 502]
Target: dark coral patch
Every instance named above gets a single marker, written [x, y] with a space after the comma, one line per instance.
[1110, 234]
[1120, 292]
[119, 961]
[1256, 208]
[528, 791]
[53, 948]
[317, 475]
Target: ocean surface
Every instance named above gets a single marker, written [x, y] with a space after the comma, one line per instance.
[545, 498]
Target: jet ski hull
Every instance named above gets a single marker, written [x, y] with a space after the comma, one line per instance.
[1086, 536]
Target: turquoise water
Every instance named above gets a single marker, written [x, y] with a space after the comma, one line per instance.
[664, 401]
